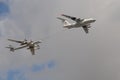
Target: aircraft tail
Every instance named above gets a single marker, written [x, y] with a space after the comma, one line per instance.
[11, 48]
[65, 22]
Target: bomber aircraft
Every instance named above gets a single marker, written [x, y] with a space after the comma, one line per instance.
[84, 23]
[32, 46]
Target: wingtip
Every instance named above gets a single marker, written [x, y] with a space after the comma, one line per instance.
[9, 39]
[58, 18]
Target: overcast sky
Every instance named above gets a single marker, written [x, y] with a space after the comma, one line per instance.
[64, 54]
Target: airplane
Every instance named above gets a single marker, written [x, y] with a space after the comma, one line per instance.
[84, 23]
[32, 46]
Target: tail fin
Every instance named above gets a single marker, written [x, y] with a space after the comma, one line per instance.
[11, 48]
[65, 22]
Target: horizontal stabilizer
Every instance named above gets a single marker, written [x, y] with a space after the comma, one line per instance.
[61, 19]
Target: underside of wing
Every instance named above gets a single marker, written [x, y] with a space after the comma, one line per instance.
[15, 41]
[20, 47]
[85, 29]
[70, 17]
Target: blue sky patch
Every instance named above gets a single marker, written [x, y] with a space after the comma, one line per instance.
[51, 64]
[21, 72]
[15, 74]
[4, 9]
[38, 67]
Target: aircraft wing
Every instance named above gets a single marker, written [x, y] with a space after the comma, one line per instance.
[71, 17]
[20, 47]
[15, 41]
[32, 51]
[61, 19]
[85, 28]
[37, 42]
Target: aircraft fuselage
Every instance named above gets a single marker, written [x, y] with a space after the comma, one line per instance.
[81, 23]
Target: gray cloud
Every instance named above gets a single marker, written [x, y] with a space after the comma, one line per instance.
[79, 56]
